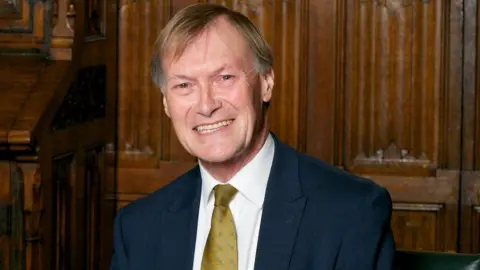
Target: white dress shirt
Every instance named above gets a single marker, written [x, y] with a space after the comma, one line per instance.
[246, 206]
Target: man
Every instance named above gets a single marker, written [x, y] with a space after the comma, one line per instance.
[252, 202]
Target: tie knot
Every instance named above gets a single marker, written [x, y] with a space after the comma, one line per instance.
[224, 194]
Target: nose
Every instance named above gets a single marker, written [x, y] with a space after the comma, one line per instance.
[207, 103]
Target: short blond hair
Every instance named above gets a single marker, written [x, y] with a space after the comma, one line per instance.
[189, 22]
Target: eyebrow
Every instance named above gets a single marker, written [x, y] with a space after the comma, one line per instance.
[185, 77]
[180, 76]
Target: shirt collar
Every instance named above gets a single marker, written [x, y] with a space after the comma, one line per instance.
[250, 181]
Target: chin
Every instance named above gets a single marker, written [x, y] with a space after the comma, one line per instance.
[216, 155]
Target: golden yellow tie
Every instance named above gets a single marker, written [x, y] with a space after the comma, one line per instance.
[221, 248]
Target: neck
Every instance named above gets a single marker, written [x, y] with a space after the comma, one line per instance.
[224, 171]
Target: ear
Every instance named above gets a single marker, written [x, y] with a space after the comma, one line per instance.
[268, 79]
[165, 106]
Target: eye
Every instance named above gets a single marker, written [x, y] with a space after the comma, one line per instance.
[181, 85]
[226, 77]
[225, 81]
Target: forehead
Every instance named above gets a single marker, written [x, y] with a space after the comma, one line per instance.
[219, 44]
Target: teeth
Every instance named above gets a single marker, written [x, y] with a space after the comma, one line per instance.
[213, 127]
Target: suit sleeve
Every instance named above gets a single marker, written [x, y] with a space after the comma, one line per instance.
[119, 259]
[370, 244]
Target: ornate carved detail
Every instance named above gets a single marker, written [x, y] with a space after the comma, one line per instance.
[95, 21]
[85, 100]
[391, 154]
[248, 7]
[393, 5]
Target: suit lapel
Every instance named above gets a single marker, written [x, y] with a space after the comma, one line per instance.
[179, 226]
[282, 211]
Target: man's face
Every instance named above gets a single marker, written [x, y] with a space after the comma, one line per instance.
[214, 96]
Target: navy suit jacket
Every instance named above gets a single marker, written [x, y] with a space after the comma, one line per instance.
[315, 216]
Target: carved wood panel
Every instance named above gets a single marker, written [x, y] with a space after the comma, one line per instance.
[399, 100]
[143, 129]
[395, 58]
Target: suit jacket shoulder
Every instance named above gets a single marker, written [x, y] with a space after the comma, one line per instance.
[316, 174]
[143, 210]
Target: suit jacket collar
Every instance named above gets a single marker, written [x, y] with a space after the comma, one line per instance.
[179, 224]
[283, 210]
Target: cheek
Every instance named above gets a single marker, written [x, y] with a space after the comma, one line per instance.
[242, 97]
[179, 110]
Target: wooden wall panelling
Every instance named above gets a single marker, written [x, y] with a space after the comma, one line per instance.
[325, 71]
[425, 212]
[397, 102]
[398, 75]
[470, 163]
[140, 107]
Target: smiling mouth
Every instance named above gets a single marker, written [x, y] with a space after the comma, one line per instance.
[204, 129]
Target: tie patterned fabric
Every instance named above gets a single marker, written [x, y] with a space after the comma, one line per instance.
[221, 248]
